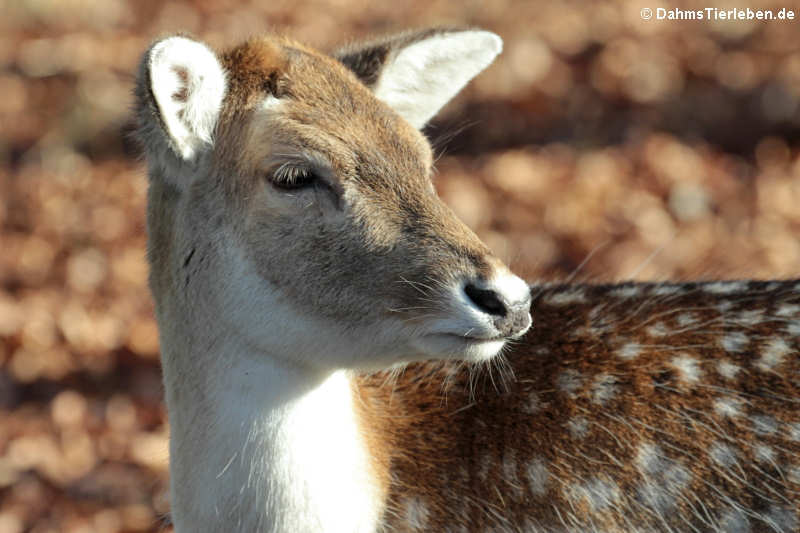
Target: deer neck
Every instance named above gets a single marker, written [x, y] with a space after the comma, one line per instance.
[260, 445]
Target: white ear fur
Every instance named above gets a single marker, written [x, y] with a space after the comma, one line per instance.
[188, 84]
[421, 78]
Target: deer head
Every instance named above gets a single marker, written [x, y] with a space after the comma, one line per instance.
[291, 199]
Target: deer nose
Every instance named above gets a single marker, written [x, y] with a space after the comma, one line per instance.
[486, 300]
[507, 300]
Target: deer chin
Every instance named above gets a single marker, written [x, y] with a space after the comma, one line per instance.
[454, 346]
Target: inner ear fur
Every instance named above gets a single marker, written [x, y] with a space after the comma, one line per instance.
[180, 91]
[417, 73]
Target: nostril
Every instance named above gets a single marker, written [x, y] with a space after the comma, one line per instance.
[487, 300]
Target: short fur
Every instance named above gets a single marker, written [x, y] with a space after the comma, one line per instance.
[636, 407]
[266, 298]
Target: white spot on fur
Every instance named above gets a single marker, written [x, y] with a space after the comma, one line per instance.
[786, 310]
[734, 521]
[728, 407]
[751, 317]
[600, 494]
[510, 472]
[723, 307]
[578, 427]
[538, 476]
[569, 382]
[664, 478]
[667, 290]
[658, 330]
[688, 368]
[629, 351]
[793, 329]
[725, 287]
[794, 475]
[686, 319]
[626, 292]
[650, 458]
[566, 297]
[734, 342]
[533, 404]
[764, 453]
[416, 514]
[723, 454]
[794, 431]
[779, 518]
[764, 424]
[727, 369]
[773, 354]
[604, 389]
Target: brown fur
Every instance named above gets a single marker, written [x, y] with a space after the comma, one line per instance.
[452, 432]
[615, 417]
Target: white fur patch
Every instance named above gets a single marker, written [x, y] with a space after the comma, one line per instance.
[728, 407]
[686, 319]
[788, 310]
[734, 342]
[734, 521]
[667, 290]
[188, 84]
[578, 427]
[416, 514]
[658, 330]
[794, 475]
[569, 382]
[723, 454]
[533, 404]
[725, 287]
[750, 317]
[424, 76]
[600, 494]
[567, 297]
[626, 292]
[764, 453]
[794, 431]
[727, 369]
[629, 351]
[764, 425]
[773, 354]
[604, 389]
[538, 476]
[688, 368]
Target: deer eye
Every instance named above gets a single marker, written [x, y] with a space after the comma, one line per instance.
[292, 178]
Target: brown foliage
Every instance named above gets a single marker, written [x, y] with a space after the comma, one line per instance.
[647, 150]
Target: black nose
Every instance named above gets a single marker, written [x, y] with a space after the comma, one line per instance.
[487, 300]
[510, 318]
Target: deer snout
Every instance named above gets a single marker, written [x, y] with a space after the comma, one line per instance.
[506, 299]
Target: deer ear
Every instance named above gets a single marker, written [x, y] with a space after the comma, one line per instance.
[418, 73]
[183, 84]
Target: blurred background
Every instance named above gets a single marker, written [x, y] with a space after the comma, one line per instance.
[599, 147]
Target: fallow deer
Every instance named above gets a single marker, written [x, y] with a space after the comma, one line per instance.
[322, 314]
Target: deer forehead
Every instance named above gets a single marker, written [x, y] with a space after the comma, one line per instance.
[284, 98]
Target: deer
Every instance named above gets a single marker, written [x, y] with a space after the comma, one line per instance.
[341, 354]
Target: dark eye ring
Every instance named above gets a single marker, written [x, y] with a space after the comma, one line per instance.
[292, 178]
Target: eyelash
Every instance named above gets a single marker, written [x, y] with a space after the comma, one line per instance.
[291, 178]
